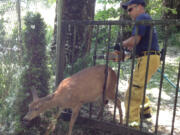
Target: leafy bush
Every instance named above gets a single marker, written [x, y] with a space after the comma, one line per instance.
[35, 74]
[9, 78]
[175, 39]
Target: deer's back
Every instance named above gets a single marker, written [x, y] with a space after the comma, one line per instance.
[87, 85]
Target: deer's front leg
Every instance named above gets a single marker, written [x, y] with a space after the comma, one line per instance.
[100, 114]
[52, 125]
[120, 110]
[75, 112]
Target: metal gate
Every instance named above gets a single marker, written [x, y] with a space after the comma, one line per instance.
[102, 34]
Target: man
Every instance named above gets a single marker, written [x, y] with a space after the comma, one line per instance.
[136, 10]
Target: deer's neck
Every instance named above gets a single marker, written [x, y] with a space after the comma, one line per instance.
[47, 102]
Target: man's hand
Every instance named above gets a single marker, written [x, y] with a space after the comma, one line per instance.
[116, 56]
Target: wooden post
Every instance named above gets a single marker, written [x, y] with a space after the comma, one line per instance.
[60, 58]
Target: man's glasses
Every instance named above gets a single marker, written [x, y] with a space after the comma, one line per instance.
[130, 9]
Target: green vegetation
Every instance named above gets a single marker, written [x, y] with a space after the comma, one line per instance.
[35, 74]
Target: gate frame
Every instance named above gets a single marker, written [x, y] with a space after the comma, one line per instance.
[101, 125]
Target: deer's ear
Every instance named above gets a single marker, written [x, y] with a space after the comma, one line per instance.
[34, 94]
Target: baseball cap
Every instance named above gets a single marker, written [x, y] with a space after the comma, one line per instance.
[130, 2]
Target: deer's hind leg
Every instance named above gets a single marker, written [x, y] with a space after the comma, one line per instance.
[102, 105]
[51, 127]
[120, 110]
[111, 95]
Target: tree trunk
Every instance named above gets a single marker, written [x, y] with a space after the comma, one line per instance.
[78, 38]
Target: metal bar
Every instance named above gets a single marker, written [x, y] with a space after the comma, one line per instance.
[95, 46]
[161, 81]
[131, 79]
[116, 94]
[146, 76]
[73, 47]
[60, 55]
[175, 101]
[126, 22]
[106, 69]
[67, 44]
[117, 83]
[94, 63]
[60, 45]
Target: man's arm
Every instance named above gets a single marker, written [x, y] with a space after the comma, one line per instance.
[130, 42]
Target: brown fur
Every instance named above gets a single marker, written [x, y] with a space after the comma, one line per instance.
[83, 87]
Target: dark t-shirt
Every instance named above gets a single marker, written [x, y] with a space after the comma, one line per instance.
[144, 32]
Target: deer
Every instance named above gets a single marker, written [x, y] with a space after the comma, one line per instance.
[83, 87]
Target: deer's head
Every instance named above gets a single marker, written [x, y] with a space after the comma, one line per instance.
[34, 107]
[39, 105]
